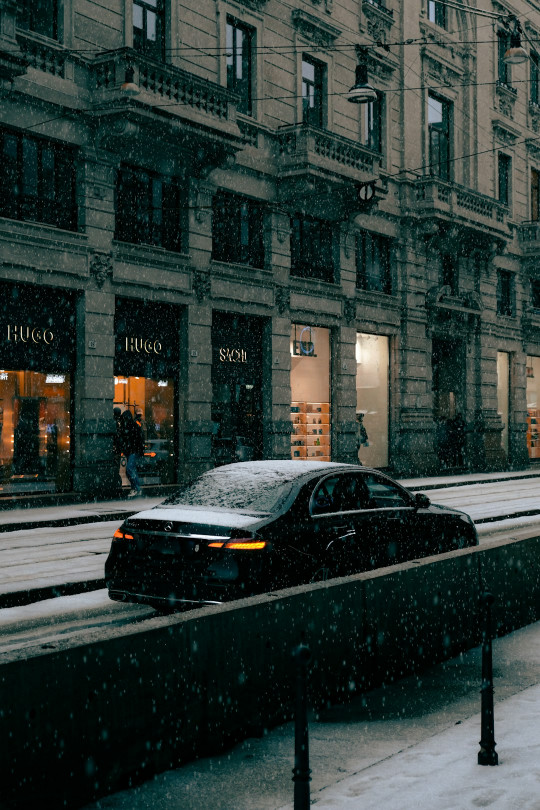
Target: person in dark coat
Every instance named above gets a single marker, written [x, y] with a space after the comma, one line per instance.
[117, 442]
[132, 442]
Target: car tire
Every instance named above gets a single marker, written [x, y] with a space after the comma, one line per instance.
[321, 574]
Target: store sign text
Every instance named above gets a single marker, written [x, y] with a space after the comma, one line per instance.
[29, 334]
[227, 355]
[141, 346]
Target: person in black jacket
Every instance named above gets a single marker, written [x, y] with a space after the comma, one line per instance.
[132, 440]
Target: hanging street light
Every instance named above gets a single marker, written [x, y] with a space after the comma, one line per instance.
[361, 92]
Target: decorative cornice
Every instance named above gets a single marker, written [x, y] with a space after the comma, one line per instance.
[101, 267]
[504, 132]
[314, 29]
[253, 5]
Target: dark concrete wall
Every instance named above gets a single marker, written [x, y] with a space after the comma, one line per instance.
[107, 711]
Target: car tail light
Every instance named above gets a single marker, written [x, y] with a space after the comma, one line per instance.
[122, 535]
[243, 544]
[152, 455]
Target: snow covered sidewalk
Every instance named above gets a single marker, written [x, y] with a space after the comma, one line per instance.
[412, 745]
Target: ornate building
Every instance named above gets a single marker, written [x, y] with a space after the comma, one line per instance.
[196, 224]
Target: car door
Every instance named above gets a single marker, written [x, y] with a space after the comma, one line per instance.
[388, 519]
[332, 526]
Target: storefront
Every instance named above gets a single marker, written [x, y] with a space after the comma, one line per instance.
[372, 398]
[237, 376]
[533, 407]
[146, 368]
[37, 361]
[311, 413]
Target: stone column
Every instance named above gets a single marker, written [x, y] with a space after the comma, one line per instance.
[413, 450]
[95, 475]
[517, 429]
[276, 348]
[195, 400]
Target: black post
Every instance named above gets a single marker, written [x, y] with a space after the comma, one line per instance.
[301, 770]
[487, 754]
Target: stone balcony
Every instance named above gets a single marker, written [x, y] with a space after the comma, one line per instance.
[436, 199]
[198, 113]
[315, 163]
[529, 237]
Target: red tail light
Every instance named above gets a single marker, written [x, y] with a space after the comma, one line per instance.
[242, 543]
[121, 535]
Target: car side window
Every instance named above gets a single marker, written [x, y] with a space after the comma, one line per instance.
[385, 494]
[323, 500]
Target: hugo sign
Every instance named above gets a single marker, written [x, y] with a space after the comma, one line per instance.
[143, 346]
[29, 334]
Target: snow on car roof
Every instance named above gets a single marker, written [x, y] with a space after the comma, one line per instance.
[256, 486]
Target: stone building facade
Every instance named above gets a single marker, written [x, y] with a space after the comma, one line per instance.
[197, 225]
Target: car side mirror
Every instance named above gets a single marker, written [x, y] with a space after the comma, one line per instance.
[421, 501]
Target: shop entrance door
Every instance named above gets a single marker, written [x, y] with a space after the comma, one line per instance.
[237, 430]
[448, 366]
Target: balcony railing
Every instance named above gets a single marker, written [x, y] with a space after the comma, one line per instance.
[47, 57]
[163, 85]
[529, 236]
[380, 5]
[433, 196]
[304, 145]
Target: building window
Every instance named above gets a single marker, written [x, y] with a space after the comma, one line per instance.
[37, 181]
[503, 70]
[437, 12]
[439, 137]
[535, 294]
[312, 249]
[149, 209]
[450, 273]
[505, 293]
[535, 195]
[504, 171]
[240, 41]
[237, 230]
[40, 17]
[373, 123]
[534, 76]
[373, 263]
[313, 76]
[148, 27]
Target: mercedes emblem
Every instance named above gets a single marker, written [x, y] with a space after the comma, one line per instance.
[168, 527]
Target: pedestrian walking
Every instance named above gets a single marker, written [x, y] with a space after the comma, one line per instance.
[133, 449]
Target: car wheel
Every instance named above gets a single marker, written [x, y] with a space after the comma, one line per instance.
[321, 574]
[461, 541]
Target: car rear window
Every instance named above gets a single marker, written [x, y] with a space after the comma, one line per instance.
[232, 491]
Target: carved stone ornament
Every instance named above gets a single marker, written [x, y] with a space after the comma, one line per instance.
[282, 297]
[101, 267]
[313, 29]
[201, 285]
[349, 311]
[283, 234]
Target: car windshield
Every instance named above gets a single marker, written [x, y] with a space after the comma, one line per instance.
[226, 489]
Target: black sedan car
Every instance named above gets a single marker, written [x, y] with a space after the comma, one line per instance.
[258, 526]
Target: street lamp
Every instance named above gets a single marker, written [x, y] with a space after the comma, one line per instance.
[128, 87]
[361, 92]
[516, 53]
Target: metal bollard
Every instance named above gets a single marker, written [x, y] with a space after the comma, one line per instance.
[301, 770]
[487, 754]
